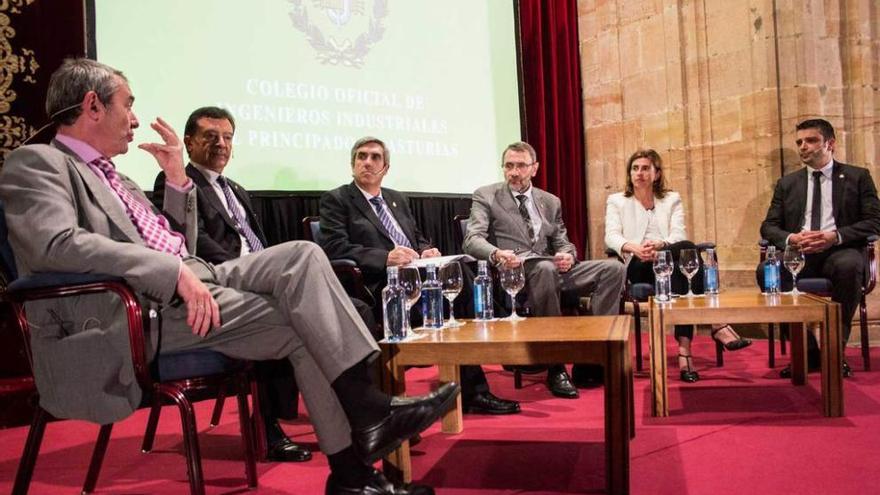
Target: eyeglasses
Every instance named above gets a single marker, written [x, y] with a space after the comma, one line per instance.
[516, 165]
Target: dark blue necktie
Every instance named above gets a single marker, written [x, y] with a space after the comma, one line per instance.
[396, 235]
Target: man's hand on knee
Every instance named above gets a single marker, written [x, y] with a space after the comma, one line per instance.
[563, 262]
[202, 311]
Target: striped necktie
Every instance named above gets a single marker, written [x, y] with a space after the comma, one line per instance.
[396, 235]
[154, 229]
[524, 213]
[241, 222]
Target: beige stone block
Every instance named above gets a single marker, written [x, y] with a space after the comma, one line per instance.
[730, 75]
[608, 56]
[664, 130]
[633, 137]
[644, 94]
[726, 120]
[651, 36]
[603, 104]
[630, 48]
[760, 114]
[635, 11]
[728, 27]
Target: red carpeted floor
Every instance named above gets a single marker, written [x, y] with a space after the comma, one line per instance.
[740, 430]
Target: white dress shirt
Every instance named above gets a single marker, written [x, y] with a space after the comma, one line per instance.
[825, 186]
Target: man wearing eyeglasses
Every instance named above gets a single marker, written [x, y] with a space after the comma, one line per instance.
[512, 223]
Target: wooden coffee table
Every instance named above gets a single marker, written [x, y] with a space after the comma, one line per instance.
[538, 340]
[750, 306]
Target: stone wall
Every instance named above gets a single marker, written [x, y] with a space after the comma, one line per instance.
[716, 86]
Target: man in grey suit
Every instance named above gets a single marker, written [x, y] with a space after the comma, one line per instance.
[69, 210]
[513, 222]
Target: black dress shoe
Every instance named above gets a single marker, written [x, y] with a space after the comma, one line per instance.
[733, 345]
[587, 375]
[408, 416]
[847, 372]
[814, 363]
[287, 451]
[487, 403]
[377, 485]
[688, 374]
[560, 385]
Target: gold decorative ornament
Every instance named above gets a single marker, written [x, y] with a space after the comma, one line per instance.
[15, 129]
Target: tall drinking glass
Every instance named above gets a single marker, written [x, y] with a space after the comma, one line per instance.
[451, 280]
[513, 279]
[689, 264]
[793, 259]
[663, 268]
[411, 281]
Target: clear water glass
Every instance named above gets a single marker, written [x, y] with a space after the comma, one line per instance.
[513, 279]
[689, 264]
[451, 280]
[411, 281]
[793, 259]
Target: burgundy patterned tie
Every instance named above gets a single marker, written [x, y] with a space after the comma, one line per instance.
[154, 229]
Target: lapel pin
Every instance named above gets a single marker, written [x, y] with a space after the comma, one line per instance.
[394, 204]
[840, 176]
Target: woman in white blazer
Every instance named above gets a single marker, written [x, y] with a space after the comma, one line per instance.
[647, 218]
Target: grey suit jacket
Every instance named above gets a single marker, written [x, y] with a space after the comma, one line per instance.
[63, 218]
[495, 223]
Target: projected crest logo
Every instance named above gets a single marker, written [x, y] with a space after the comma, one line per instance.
[340, 31]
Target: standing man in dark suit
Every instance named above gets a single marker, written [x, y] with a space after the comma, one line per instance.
[68, 209]
[373, 226]
[829, 209]
[514, 223]
[228, 228]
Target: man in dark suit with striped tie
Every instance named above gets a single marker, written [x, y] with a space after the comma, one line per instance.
[229, 228]
[373, 226]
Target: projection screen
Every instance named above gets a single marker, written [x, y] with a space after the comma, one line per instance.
[436, 80]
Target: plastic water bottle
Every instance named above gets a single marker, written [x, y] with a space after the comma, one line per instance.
[710, 267]
[432, 299]
[394, 308]
[771, 271]
[483, 310]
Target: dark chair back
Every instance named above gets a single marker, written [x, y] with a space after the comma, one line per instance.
[312, 229]
[196, 373]
[459, 228]
[7, 258]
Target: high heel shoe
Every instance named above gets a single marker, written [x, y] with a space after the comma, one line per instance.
[688, 375]
[733, 345]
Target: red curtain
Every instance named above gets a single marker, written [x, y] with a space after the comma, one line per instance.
[551, 82]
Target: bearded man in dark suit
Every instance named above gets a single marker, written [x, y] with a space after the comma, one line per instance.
[829, 209]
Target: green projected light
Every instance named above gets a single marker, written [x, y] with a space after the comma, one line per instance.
[436, 80]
